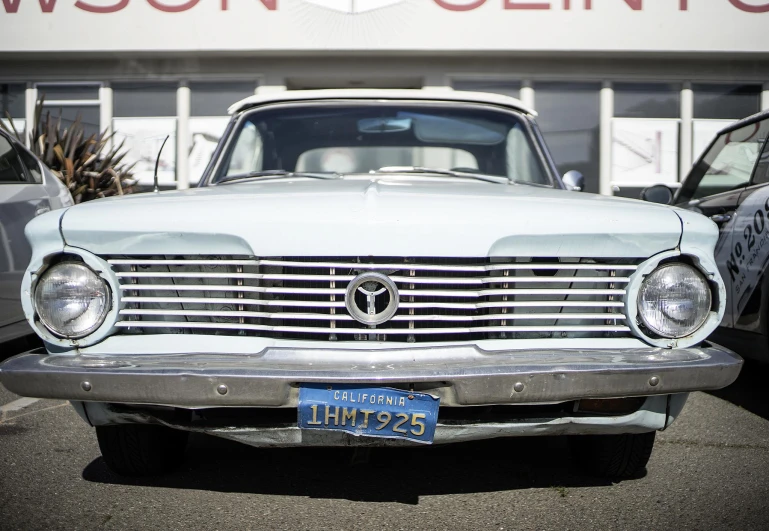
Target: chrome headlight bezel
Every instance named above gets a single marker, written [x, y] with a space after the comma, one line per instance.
[706, 266]
[663, 324]
[87, 276]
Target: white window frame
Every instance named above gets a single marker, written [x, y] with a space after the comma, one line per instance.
[99, 103]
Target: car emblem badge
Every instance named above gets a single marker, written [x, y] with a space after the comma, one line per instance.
[372, 298]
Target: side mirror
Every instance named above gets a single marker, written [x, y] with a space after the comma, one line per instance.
[574, 181]
[659, 193]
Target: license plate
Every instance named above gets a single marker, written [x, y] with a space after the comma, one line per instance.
[369, 411]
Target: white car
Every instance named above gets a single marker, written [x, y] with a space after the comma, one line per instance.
[27, 189]
[374, 267]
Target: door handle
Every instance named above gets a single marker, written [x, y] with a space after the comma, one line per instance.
[721, 218]
[42, 210]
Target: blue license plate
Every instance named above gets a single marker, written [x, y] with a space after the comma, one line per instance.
[369, 411]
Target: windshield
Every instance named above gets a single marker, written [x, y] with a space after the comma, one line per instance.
[364, 137]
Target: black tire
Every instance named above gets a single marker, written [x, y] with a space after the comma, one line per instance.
[140, 449]
[612, 456]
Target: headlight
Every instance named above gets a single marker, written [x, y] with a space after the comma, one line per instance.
[674, 300]
[71, 300]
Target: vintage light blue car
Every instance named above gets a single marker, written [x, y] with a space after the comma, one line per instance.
[374, 268]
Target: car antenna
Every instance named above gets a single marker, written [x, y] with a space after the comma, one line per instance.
[157, 163]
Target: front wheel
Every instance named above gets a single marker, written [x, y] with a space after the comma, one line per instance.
[612, 456]
[141, 449]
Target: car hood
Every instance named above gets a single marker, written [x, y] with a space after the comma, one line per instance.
[372, 216]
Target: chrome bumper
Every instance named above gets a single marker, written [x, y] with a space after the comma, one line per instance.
[459, 375]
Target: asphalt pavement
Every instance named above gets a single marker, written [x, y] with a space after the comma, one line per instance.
[710, 470]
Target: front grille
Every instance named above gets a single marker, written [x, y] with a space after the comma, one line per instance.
[440, 299]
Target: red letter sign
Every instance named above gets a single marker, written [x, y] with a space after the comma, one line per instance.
[272, 5]
[739, 4]
[85, 6]
[635, 5]
[12, 6]
[588, 4]
[511, 4]
[173, 9]
[445, 4]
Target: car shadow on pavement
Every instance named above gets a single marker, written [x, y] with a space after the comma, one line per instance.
[19, 346]
[398, 475]
[749, 391]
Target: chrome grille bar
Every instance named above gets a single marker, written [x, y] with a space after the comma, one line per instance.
[347, 278]
[379, 331]
[341, 317]
[332, 309]
[232, 288]
[218, 300]
[332, 291]
[410, 305]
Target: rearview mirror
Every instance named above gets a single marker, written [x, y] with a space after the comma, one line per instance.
[659, 193]
[574, 181]
[384, 125]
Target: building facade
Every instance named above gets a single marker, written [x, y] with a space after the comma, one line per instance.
[629, 92]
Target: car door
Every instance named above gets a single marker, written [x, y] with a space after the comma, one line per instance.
[751, 241]
[22, 198]
[719, 186]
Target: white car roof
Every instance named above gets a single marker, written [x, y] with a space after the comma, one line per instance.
[381, 94]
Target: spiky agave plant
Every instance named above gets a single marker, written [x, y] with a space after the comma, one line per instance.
[85, 164]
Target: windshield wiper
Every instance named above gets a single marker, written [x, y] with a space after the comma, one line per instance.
[275, 173]
[442, 171]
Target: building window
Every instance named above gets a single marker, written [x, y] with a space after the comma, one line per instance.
[147, 99]
[12, 104]
[569, 117]
[144, 114]
[213, 98]
[726, 102]
[645, 136]
[718, 105]
[209, 101]
[69, 92]
[71, 103]
[508, 88]
[647, 100]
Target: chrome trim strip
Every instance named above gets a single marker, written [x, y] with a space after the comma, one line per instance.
[232, 300]
[232, 275]
[415, 305]
[347, 278]
[229, 287]
[331, 291]
[344, 317]
[351, 265]
[365, 331]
